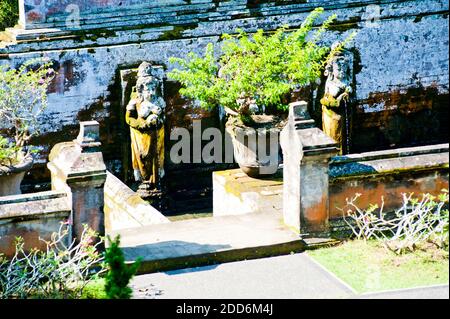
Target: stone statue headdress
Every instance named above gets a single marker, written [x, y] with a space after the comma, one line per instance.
[149, 92]
[339, 73]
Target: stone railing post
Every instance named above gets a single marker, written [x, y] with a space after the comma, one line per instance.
[77, 167]
[306, 152]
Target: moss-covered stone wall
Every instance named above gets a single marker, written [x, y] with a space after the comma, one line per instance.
[401, 63]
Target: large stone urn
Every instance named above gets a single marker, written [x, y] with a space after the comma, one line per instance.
[256, 149]
[11, 176]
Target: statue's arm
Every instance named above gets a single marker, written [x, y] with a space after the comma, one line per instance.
[135, 123]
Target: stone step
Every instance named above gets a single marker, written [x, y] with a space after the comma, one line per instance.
[205, 241]
[166, 12]
[199, 10]
[212, 9]
[134, 28]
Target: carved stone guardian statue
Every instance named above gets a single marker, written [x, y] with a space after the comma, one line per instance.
[145, 114]
[336, 112]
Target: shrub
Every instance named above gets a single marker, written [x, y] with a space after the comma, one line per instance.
[9, 13]
[8, 152]
[418, 221]
[23, 98]
[256, 72]
[119, 273]
[61, 271]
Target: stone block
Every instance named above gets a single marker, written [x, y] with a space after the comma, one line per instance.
[235, 193]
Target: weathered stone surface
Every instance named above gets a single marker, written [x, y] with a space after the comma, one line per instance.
[125, 209]
[401, 61]
[77, 168]
[209, 240]
[310, 200]
[83, 193]
[54, 12]
[306, 152]
[34, 217]
[382, 177]
[235, 193]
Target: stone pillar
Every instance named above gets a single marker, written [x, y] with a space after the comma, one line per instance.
[77, 167]
[306, 151]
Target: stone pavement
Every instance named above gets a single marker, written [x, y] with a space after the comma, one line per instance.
[294, 276]
[210, 240]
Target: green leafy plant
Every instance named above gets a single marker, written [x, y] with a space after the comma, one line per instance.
[119, 273]
[23, 98]
[254, 72]
[9, 13]
[8, 152]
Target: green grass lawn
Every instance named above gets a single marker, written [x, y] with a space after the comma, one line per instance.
[368, 267]
[95, 290]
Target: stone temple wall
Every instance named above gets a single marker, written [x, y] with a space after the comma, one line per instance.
[401, 62]
[38, 13]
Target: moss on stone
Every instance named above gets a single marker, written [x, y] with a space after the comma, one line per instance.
[329, 101]
[93, 35]
[393, 172]
[350, 24]
[176, 32]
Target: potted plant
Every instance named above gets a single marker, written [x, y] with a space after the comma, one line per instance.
[23, 98]
[252, 79]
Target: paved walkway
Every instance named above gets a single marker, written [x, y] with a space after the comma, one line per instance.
[293, 276]
[203, 241]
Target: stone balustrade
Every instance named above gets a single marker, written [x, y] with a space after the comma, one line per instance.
[83, 193]
[318, 184]
[382, 177]
[307, 152]
[34, 217]
[124, 208]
